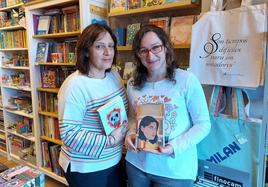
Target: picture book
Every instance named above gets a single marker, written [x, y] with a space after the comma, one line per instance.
[128, 69]
[41, 52]
[147, 3]
[120, 34]
[181, 29]
[149, 127]
[112, 114]
[118, 6]
[132, 29]
[161, 22]
[43, 24]
[132, 4]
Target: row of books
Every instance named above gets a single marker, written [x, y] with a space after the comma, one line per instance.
[48, 102]
[50, 154]
[123, 5]
[13, 39]
[57, 21]
[179, 29]
[7, 3]
[50, 127]
[52, 77]
[56, 52]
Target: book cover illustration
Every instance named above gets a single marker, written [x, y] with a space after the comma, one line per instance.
[161, 22]
[132, 29]
[43, 25]
[41, 52]
[113, 114]
[117, 6]
[147, 3]
[133, 4]
[181, 29]
[149, 127]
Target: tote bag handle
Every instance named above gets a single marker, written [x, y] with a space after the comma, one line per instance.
[238, 109]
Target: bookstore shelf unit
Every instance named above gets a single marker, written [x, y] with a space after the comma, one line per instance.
[16, 118]
[124, 18]
[51, 70]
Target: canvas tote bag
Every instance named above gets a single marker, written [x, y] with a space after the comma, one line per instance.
[228, 47]
[233, 141]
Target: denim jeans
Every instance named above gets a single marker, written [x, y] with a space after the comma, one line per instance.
[138, 178]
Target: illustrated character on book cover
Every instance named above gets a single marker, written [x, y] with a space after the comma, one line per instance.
[114, 118]
[148, 129]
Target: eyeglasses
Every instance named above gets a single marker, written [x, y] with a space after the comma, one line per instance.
[155, 49]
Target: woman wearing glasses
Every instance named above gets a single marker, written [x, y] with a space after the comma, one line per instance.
[186, 122]
[88, 157]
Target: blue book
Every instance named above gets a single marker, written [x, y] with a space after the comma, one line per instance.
[120, 34]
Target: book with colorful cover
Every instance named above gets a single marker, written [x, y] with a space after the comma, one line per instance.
[43, 24]
[118, 6]
[113, 114]
[147, 3]
[133, 4]
[132, 29]
[149, 127]
[161, 22]
[181, 29]
[41, 52]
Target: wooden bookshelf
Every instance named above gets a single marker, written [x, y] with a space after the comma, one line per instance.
[9, 28]
[24, 88]
[54, 64]
[16, 67]
[53, 175]
[14, 49]
[31, 138]
[51, 114]
[56, 141]
[10, 7]
[57, 35]
[182, 4]
[20, 113]
[49, 90]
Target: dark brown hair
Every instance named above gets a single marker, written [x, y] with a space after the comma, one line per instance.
[86, 40]
[140, 73]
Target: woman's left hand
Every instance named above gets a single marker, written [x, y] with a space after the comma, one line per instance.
[167, 150]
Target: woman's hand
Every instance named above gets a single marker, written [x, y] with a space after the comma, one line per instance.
[117, 136]
[167, 150]
[130, 142]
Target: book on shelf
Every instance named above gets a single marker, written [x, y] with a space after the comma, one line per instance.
[43, 25]
[148, 3]
[133, 4]
[118, 6]
[162, 22]
[181, 29]
[112, 114]
[120, 34]
[128, 69]
[132, 29]
[41, 52]
[149, 127]
[49, 77]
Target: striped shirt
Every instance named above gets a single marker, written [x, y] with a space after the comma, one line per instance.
[84, 140]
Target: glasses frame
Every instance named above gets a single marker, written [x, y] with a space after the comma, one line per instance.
[150, 50]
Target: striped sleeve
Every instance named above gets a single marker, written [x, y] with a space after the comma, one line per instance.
[76, 138]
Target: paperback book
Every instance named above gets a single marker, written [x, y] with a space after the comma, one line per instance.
[149, 127]
[113, 114]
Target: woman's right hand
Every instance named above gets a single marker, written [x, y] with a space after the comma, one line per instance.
[130, 142]
[117, 136]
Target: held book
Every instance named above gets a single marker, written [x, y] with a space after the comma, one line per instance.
[113, 114]
[149, 126]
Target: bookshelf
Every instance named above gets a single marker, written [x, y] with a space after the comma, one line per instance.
[122, 19]
[17, 123]
[51, 72]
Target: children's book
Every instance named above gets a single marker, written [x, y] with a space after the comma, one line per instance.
[113, 114]
[118, 6]
[43, 24]
[132, 29]
[161, 22]
[181, 29]
[41, 52]
[133, 4]
[149, 127]
[128, 69]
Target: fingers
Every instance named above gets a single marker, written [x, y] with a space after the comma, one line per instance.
[130, 143]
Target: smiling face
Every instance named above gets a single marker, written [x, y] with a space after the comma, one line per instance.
[102, 54]
[155, 60]
[149, 131]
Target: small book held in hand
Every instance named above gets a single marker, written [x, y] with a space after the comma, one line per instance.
[149, 129]
[113, 114]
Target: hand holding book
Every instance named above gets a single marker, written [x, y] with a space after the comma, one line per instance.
[117, 136]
